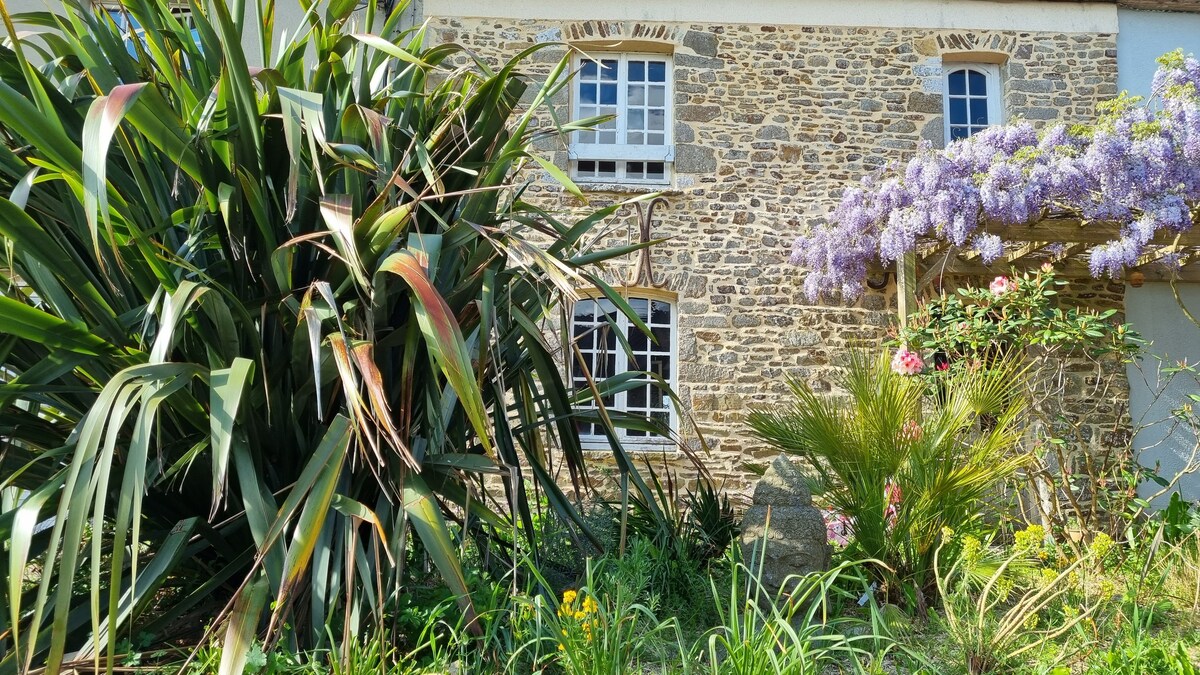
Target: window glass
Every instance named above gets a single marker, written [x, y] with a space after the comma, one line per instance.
[594, 326]
[632, 89]
[970, 99]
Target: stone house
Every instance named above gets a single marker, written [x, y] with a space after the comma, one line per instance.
[750, 120]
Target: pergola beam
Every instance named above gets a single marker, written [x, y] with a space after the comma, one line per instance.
[1074, 231]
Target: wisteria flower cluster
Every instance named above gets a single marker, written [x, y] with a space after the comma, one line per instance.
[1138, 167]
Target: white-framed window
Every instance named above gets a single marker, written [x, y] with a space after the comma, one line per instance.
[636, 145]
[592, 329]
[970, 98]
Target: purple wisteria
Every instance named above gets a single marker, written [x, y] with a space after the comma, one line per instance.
[1138, 167]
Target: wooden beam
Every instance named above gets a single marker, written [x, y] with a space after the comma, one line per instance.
[1023, 251]
[1073, 231]
[1076, 269]
[906, 286]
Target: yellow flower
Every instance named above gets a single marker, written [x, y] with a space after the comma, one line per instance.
[580, 615]
[1029, 539]
[1101, 545]
[569, 596]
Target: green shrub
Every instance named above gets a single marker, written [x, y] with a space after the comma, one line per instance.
[899, 470]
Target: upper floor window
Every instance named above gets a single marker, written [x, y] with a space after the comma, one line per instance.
[635, 146]
[594, 328]
[971, 99]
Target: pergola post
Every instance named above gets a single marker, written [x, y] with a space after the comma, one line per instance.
[906, 286]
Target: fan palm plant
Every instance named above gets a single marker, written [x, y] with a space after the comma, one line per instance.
[260, 327]
[902, 466]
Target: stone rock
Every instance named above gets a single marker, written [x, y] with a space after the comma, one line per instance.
[922, 102]
[796, 539]
[694, 159]
[697, 113]
[704, 44]
[772, 132]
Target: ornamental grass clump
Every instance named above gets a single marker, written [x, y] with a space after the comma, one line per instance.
[901, 466]
[267, 330]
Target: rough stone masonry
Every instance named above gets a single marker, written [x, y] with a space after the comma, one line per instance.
[771, 123]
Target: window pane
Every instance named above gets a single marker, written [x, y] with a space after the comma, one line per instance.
[586, 167]
[958, 111]
[662, 338]
[588, 71]
[635, 138]
[638, 340]
[655, 170]
[661, 418]
[639, 363]
[658, 71]
[637, 71]
[637, 94]
[958, 132]
[978, 83]
[607, 366]
[658, 120]
[587, 95]
[655, 139]
[608, 94]
[584, 337]
[660, 312]
[608, 70]
[657, 400]
[958, 83]
[658, 95]
[608, 169]
[979, 112]
[636, 120]
[585, 310]
[640, 307]
[637, 397]
[608, 138]
[661, 366]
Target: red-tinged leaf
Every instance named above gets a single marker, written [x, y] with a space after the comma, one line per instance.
[103, 118]
[443, 338]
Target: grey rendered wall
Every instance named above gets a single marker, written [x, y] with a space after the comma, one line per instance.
[1152, 309]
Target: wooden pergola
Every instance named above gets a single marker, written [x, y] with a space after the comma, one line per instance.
[1062, 241]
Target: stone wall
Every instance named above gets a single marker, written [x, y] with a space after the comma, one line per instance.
[772, 122]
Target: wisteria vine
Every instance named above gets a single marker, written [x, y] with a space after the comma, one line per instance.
[1137, 167]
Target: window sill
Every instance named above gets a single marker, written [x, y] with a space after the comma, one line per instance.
[627, 188]
[664, 446]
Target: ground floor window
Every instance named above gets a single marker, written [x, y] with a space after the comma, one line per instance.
[595, 326]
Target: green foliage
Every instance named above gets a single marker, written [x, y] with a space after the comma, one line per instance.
[266, 331]
[590, 631]
[901, 471]
[977, 321]
[994, 625]
[1074, 485]
[796, 631]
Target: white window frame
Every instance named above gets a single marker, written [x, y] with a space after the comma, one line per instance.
[595, 442]
[622, 152]
[995, 102]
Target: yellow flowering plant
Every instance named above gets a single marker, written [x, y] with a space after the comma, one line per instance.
[593, 631]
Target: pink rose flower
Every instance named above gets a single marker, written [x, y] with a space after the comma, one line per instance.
[907, 362]
[1001, 285]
